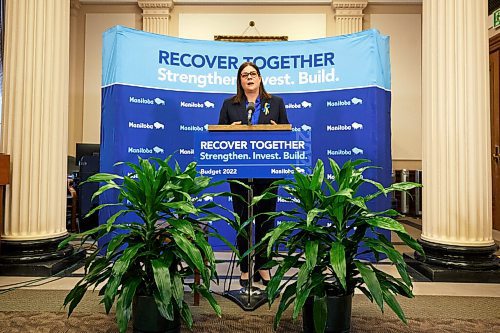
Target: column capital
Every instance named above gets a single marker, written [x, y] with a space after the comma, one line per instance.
[355, 7]
[156, 15]
[156, 8]
[75, 7]
[348, 15]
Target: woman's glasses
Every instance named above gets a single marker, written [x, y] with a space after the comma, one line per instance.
[249, 74]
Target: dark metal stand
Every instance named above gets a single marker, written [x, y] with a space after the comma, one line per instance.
[249, 298]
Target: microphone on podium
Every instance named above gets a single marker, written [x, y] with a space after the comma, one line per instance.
[250, 110]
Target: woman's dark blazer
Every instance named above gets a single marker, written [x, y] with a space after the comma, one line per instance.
[232, 112]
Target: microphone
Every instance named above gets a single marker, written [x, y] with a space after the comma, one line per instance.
[250, 110]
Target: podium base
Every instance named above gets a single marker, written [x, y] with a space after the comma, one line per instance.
[247, 301]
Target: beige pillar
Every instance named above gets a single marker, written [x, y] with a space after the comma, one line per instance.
[455, 131]
[35, 117]
[76, 68]
[156, 15]
[35, 128]
[348, 16]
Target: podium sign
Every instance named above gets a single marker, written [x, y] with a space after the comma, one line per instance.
[251, 154]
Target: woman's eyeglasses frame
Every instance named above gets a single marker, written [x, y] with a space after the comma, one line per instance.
[249, 74]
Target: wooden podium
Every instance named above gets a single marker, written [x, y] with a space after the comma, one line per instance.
[258, 127]
[4, 180]
[249, 298]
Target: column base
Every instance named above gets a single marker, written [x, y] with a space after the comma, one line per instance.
[448, 263]
[37, 257]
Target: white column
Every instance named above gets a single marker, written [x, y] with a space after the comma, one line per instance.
[35, 118]
[348, 16]
[156, 15]
[456, 124]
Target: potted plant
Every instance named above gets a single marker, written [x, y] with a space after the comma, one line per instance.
[144, 265]
[325, 238]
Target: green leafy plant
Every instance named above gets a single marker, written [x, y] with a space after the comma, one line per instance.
[164, 241]
[327, 254]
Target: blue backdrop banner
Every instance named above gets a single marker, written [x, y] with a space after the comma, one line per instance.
[158, 92]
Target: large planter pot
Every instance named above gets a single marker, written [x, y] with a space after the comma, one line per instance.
[147, 318]
[338, 319]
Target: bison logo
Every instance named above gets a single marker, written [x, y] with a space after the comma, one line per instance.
[356, 125]
[159, 101]
[356, 101]
[209, 104]
[301, 170]
[306, 104]
[306, 127]
[357, 150]
[158, 150]
[158, 125]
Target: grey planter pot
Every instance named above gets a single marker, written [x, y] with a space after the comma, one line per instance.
[338, 318]
[147, 318]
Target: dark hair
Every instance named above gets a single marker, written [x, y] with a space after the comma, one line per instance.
[240, 93]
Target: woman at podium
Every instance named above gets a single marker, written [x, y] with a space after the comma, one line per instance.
[252, 104]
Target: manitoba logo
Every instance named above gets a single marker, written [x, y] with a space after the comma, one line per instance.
[303, 128]
[145, 150]
[140, 100]
[193, 128]
[156, 125]
[140, 150]
[288, 199]
[148, 101]
[198, 105]
[131, 124]
[353, 126]
[282, 171]
[206, 198]
[301, 105]
[330, 176]
[132, 175]
[345, 152]
[344, 102]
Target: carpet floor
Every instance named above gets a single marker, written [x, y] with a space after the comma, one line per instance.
[41, 311]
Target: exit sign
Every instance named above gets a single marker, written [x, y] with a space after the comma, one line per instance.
[496, 18]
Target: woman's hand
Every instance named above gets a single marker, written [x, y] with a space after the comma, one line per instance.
[236, 123]
[273, 122]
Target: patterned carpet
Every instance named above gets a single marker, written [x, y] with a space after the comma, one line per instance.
[41, 311]
[57, 322]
